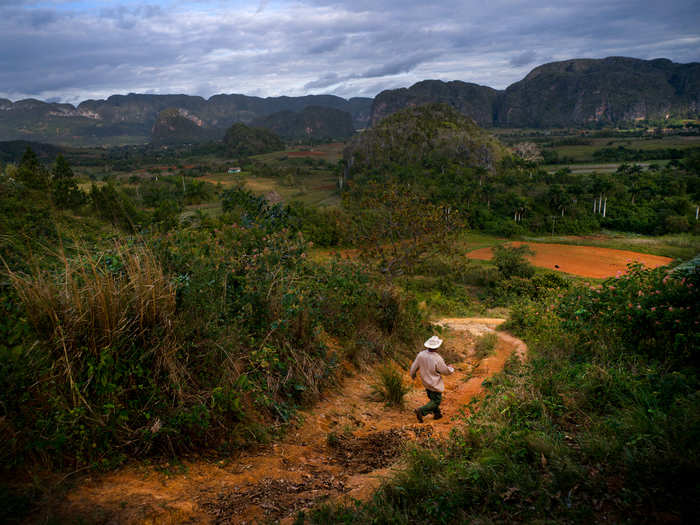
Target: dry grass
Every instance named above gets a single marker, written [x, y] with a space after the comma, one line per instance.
[92, 303]
[485, 345]
[388, 385]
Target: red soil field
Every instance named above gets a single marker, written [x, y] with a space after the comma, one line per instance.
[585, 261]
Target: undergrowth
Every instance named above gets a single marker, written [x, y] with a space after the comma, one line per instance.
[485, 345]
[601, 424]
[181, 342]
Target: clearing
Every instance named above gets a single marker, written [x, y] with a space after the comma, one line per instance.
[584, 261]
[341, 449]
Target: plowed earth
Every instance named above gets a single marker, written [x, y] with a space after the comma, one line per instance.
[585, 261]
[342, 448]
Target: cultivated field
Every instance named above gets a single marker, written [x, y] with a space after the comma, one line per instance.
[584, 261]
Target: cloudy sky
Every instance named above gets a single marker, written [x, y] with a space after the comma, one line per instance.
[71, 50]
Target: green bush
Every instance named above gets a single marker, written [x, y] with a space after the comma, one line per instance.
[511, 262]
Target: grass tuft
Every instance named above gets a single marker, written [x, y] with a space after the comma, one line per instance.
[389, 386]
[485, 345]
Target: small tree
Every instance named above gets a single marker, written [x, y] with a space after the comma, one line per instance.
[63, 186]
[511, 261]
[31, 172]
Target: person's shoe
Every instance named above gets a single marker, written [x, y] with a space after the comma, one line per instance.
[418, 415]
[438, 415]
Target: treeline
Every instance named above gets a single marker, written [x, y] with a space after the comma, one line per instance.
[519, 197]
[623, 154]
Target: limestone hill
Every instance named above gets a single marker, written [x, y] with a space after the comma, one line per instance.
[431, 134]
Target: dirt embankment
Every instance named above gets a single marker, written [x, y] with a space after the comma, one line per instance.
[342, 449]
[585, 261]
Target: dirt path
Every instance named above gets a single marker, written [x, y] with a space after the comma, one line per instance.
[343, 448]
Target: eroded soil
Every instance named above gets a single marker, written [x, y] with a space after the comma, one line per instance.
[342, 449]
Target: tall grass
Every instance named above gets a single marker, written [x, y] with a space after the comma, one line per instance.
[485, 345]
[389, 386]
[101, 317]
[95, 302]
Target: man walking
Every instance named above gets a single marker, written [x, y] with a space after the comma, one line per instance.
[432, 367]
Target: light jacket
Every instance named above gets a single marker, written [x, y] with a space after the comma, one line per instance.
[432, 367]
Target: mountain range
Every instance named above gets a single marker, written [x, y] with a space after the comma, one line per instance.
[571, 93]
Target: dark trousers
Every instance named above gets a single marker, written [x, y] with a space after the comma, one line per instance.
[433, 405]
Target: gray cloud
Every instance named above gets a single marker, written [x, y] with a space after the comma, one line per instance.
[64, 50]
[327, 44]
[523, 59]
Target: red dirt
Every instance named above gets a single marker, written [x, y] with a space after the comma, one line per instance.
[585, 261]
[342, 449]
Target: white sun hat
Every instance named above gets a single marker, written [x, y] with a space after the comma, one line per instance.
[433, 342]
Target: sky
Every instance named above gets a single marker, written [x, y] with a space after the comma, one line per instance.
[72, 50]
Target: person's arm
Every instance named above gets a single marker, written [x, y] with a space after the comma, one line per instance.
[414, 368]
[441, 367]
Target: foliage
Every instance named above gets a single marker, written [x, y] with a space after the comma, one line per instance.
[31, 172]
[440, 157]
[505, 291]
[594, 427]
[431, 136]
[114, 206]
[181, 343]
[651, 311]
[242, 141]
[511, 262]
[64, 189]
[485, 345]
[398, 224]
[246, 208]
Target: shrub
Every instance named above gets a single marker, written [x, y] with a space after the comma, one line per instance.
[511, 262]
[485, 345]
[389, 385]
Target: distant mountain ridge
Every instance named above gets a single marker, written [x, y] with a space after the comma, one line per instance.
[575, 92]
[125, 119]
[313, 122]
[570, 93]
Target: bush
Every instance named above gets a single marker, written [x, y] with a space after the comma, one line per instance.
[389, 385]
[485, 345]
[511, 262]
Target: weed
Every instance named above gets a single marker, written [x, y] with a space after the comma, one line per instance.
[485, 345]
[389, 386]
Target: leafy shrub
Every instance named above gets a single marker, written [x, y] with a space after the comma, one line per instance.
[511, 262]
[505, 291]
[651, 311]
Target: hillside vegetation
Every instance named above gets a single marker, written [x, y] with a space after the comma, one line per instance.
[126, 333]
[242, 141]
[445, 158]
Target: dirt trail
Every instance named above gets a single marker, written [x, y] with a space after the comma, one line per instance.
[344, 446]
